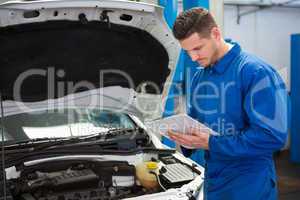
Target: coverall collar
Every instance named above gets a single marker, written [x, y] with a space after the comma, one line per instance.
[221, 66]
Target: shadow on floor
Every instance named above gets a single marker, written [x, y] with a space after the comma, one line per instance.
[288, 177]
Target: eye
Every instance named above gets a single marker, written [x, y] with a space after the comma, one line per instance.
[197, 48]
[200, 47]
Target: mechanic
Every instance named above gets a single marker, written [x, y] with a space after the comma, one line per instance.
[243, 100]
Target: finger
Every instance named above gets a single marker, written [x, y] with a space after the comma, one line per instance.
[183, 136]
[178, 139]
[205, 130]
[186, 141]
[174, 132]
[200, 132]
[172, 135]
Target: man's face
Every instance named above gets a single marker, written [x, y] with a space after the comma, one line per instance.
[203, 50]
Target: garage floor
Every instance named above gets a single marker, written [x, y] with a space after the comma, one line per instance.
[288, 177]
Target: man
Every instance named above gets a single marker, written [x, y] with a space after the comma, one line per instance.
[243, 100]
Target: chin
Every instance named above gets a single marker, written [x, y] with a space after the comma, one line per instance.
[203, 64]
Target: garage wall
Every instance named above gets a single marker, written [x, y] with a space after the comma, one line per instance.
[266, 33]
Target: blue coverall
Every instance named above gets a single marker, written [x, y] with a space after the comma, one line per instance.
[244, 100]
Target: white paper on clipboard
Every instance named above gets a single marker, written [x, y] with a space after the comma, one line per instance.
[181, 123]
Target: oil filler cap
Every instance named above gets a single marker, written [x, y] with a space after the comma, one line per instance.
[151, 165]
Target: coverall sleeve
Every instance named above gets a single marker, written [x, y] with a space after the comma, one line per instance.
[190, 109]
[265, 105]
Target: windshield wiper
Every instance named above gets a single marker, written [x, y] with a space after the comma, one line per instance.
[111, 133]
[122, 131]
[38, 144]
[43, 143]
[35, 141]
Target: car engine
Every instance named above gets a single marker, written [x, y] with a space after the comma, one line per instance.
[98, 180]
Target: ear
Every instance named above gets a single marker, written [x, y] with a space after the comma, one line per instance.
[216, 33]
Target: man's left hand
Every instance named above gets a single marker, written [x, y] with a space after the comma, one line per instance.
[195, 139]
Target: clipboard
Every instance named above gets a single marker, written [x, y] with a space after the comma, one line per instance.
[181, 123]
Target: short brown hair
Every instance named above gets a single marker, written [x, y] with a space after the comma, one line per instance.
[195, 20]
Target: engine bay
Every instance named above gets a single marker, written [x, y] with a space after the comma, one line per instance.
[120, 177]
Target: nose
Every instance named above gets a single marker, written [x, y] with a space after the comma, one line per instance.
[194, 56]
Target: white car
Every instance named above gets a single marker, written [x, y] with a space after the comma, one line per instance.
[72, 73]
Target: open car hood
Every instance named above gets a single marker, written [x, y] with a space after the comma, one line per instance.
[53, 48]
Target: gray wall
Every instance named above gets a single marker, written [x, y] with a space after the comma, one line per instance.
[265, 33]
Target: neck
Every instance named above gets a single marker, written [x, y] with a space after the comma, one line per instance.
[222, 50]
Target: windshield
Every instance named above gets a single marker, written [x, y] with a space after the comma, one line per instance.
[69, 122]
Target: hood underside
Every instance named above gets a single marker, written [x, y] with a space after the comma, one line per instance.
[55, 58]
